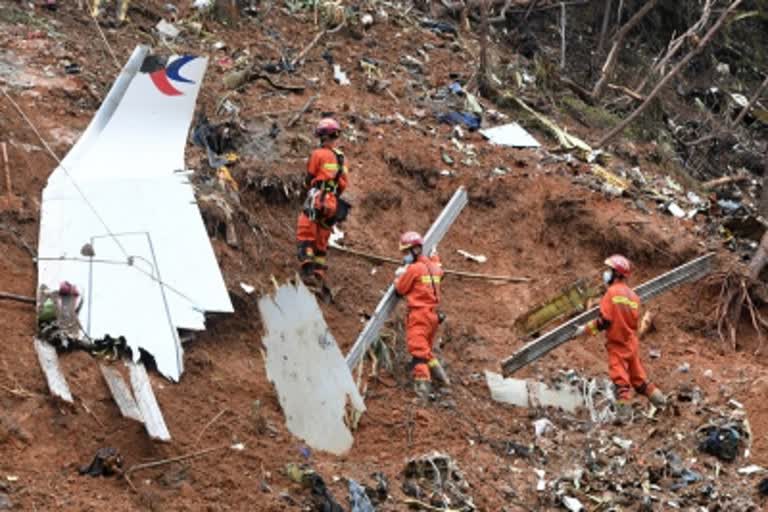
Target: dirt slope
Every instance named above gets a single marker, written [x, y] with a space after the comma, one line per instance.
[533, 221]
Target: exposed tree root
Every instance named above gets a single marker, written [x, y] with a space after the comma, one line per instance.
[737, 297]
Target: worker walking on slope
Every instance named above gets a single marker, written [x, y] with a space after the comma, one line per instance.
[618, 317]
[419, 282]
[325, 181]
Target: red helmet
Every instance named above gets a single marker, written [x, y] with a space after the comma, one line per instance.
[327, 126]
[620, 265]
[409, 240]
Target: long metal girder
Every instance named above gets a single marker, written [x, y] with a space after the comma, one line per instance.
[387, 304]
[691, 271]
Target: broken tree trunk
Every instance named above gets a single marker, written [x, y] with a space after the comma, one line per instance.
[669, 76]
[483, 83]
[676, 44]
[618, 43]
[604, 28]
[755, 97]
[562, 35]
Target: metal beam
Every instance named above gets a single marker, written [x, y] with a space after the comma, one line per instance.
[387, 304]
[121, 393]
[147, 403]
[49, 362]
[544, 344]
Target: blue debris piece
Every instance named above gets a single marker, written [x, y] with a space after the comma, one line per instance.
[358, 500]
[468, 119]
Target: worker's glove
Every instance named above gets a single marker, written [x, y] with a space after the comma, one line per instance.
[400, 271]
[580, 330]
[433, 252]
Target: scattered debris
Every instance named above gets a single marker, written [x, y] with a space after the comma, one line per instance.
[478, 258]
[167, 30]
[106, 462]
[542, 427]
[568, 301]
[247, 288]
[524, 393]
[511, 135]
[751, 470]
[436, 476]
[572, 504]
[358, 499]
[468, 119]
[724, 441]
[340, 76]
[313, 383]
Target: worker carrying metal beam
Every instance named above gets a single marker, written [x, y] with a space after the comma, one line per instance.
[619, 314]
[419, 281]
[326, 180]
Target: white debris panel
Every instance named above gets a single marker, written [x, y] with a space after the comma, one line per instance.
[531, 394]
[512, 135]
[310, 375]
[122, 188]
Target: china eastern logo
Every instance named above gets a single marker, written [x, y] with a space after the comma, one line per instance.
[163, 75]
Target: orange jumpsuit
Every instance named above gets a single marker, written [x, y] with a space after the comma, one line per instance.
[420, 285]
[312, 235]
[619, 313]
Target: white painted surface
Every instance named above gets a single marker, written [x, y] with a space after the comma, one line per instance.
[526, 393]
[165, 276]
[512, 135]
[49, 362]
[147, 403]
[310, 375]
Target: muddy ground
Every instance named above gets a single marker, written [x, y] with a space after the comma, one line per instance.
[533, 221]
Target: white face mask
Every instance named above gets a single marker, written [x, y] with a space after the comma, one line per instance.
[409, 258]
[607, 276]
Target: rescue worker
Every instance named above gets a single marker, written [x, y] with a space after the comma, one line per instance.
[618, 317]
[419, 282]
[325, 181]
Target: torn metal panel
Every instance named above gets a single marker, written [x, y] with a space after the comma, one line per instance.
[526, 393]
[689, 272]
[387, 304]
[571, 299]
[49, 362]
[120, 189]
[121, 393]
[147, 403]
[308, 370]
[512, 135]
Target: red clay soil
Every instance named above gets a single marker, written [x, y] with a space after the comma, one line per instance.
[533, 221]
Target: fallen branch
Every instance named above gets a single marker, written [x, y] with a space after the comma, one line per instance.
[604, 28]
[751, 102]
[629, 92]
[724, 180]
[303, 53]
[213, 420]
[301, 112]
[8, 187]
[394, 261]
[677, 43]
[669, 76]
[618, 44]
[17, 298]
[163, 462]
